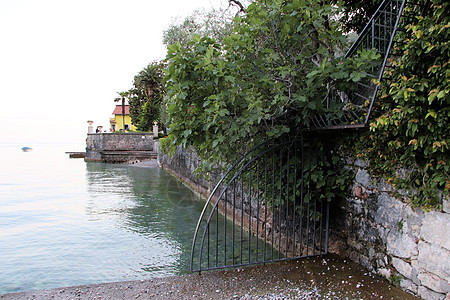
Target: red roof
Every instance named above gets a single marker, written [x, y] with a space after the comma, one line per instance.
[118, 110]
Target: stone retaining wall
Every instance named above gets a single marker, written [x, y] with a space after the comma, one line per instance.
[99, 144]
[182, 165]
[408, 246]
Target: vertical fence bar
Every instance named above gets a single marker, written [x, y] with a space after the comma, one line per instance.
[309, 201]
[242, 214]
[286, 218]
[295, 198]
[257, 210]
[315, 206]
[234, 221]
[320, 227]
[225, 229]
[208, 247]
[326, 226]
[280, 204]
[322, 213]
[265, 208]
[302, 196]
[250, 215]
[321, 207]
[273, 204]
[217, 236]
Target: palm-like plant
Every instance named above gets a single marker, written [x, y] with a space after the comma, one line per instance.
[150, 81]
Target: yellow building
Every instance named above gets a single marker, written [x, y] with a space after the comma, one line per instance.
[118, 120]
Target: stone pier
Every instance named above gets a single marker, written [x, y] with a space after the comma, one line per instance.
[118, 147]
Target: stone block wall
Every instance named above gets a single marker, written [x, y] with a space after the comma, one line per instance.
[183, 164]
[98, 143]
[409, 246]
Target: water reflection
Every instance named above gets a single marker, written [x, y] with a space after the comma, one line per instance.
[65, 222]
[150, 203]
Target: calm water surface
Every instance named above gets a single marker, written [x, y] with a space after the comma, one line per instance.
[66, 222]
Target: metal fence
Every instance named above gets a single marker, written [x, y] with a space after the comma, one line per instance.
[377, 35]
[265, 208]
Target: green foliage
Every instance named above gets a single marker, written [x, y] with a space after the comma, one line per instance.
[356, 13]
[324, 174]
[268, 78]
[148, 113]
[263, 82]
[166, 146]
[395, 279]
[146, 96]
[411, 130]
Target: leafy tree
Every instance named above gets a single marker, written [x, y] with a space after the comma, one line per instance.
[263, 82]
[215, 24]
[356, 13]
[136, 100]
[270, 75]
[146, 96]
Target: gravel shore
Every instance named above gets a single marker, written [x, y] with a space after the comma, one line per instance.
[328, 277]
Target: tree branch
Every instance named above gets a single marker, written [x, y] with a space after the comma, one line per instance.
[238, 3]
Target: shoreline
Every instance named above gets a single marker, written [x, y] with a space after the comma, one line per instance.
[328, 277]
[148, 163]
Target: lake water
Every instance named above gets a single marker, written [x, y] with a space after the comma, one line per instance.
[66, 222]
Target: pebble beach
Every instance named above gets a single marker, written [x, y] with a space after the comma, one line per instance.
[328, 277]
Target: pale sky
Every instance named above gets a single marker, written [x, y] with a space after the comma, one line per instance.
[62, 61]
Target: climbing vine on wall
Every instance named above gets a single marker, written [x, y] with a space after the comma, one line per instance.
[409, 141]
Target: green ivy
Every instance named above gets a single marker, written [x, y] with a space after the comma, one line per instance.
[409, 141]
[167, 146]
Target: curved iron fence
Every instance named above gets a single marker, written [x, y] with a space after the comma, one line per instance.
[265, 208]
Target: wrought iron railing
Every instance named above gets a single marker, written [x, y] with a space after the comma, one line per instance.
[264, 209]
[377, 35]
